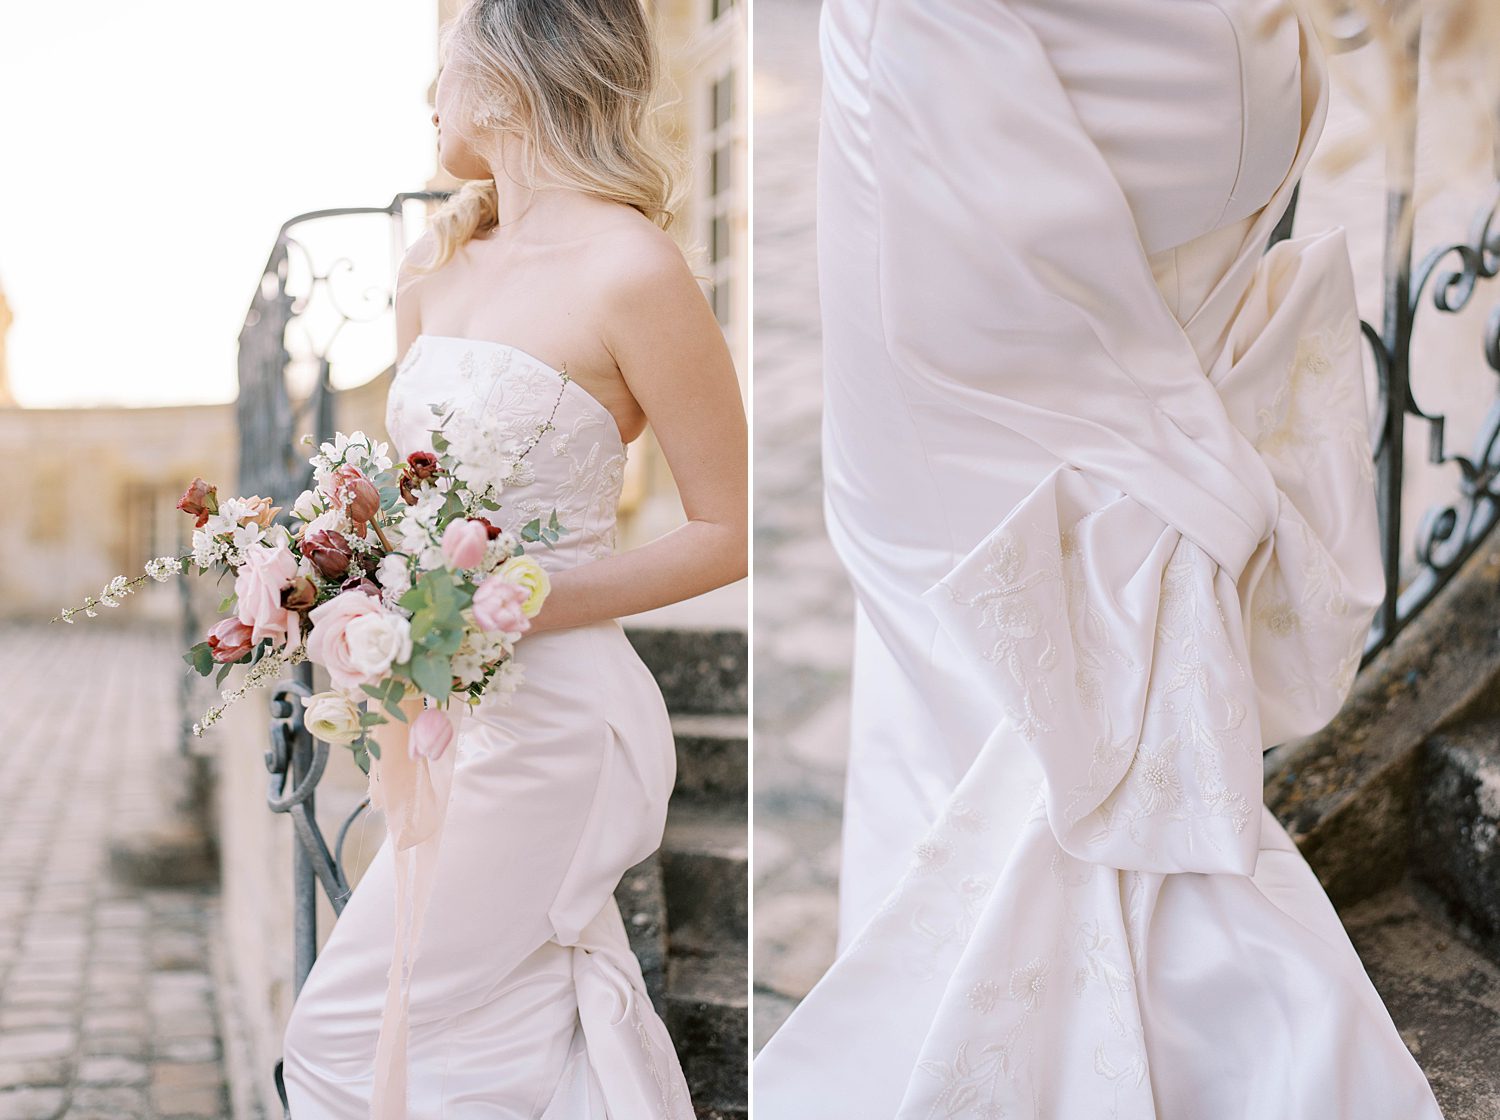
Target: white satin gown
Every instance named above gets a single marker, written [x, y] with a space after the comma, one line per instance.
[525, 1000]
[1099, 471]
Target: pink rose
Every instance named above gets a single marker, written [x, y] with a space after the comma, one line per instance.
[463, 543]
[328, 645]
[430, 734]
[229, 641]
[498, 605]
[263, 576]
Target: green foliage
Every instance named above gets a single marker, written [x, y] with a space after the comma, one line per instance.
[432, 673]
[201, 658]
[437, 629]
[453, 507]
[389, 692]
[548, 533]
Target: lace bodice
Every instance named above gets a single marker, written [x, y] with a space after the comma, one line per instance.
[576, 467]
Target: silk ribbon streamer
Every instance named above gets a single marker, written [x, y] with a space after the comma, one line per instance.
[413, 793]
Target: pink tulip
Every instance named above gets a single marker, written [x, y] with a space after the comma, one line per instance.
[498, 605]
[229, 641]
[463, 543]
[258, 587]
[430, 734]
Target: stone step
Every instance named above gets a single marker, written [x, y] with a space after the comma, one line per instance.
[643, 906]
[1443, 994]
[705, 872]
[699, 671]
[713, 759]
[1456, 828]
[708, 1016]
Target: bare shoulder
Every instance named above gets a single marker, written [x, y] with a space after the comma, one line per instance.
[419, 253]
[639, 263]
[409, 280]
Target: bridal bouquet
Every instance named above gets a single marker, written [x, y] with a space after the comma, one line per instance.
[392, 577]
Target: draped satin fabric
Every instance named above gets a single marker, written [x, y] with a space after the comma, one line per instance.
[481, 967]
[1099, 469]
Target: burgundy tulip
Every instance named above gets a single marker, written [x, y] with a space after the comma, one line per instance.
[329, 552]
[361, 583]
[300, 595]
[200, 500]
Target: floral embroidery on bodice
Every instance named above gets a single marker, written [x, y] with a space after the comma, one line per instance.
[507, 396]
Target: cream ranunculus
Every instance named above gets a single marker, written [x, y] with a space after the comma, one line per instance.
[528, 574]
[332, 717]
[378, 641]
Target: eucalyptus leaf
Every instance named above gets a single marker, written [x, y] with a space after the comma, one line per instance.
[201, 658]
[433, 674]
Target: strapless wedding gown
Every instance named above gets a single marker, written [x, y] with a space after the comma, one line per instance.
[526, 1001]
[1098, 469]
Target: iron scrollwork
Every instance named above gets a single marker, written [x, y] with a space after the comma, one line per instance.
[296, 761]
[273, 412]
[1449, 533]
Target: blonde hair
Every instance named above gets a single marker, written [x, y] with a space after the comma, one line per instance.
[576, 83]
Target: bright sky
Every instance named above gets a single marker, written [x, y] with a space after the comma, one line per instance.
[150, 151]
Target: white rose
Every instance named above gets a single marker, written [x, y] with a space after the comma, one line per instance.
[377, 641]
[332, 717]
[393, 574]
[333, 520]
[306, 506]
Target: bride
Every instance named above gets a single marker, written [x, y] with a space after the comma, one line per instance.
[545, 301]
[1097, 465]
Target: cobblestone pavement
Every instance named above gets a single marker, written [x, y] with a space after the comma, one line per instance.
[802, 601]
[106, 1003]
